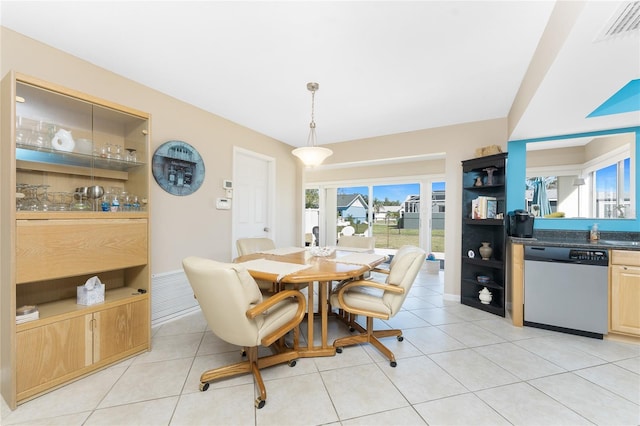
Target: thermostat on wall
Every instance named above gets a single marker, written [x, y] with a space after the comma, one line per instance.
[227, 184]
[223, 204]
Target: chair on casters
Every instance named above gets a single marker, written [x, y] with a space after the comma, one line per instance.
[347, 231]
[247, 246]
[237, 313]
[357, 242]
[378, 300]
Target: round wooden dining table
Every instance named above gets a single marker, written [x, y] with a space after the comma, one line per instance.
[292, 267]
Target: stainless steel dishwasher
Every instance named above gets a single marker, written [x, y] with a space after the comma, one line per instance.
[566, 289]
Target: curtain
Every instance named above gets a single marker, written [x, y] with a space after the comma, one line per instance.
[540, 196]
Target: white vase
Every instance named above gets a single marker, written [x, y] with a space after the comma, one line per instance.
[485, 296]
[485, 251]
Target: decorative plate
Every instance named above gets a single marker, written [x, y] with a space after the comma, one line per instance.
[178, 168]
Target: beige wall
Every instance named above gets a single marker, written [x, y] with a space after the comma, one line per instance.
[181, 226]
[191, 225]
[578, 155]
[556, 157]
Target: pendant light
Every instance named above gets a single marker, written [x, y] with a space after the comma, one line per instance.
[312, 155]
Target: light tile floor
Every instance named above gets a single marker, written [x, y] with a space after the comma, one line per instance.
[456, 366]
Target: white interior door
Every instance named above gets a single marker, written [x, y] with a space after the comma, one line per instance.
[253, 196]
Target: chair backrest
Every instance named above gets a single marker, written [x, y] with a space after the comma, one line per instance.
[225, 291]
[358, 242]
[348, 230]
[247, 246]
[403, 269]
[316, 233]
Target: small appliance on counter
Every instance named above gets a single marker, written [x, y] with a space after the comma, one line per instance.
[521, 224]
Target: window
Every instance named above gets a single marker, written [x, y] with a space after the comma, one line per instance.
[612, 185]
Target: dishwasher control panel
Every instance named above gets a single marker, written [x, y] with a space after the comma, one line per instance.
[585, 256]
[592, 257]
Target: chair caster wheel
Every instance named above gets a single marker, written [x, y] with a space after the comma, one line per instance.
[204, 386]
[400, 338]
[260, 403]
[393, 363]
[339, 350]
[292, 363]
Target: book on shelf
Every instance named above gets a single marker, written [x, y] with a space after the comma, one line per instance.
[484, 207]
[492, 207]
[27, 313]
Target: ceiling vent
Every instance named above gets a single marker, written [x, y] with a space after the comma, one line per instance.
[624, 21]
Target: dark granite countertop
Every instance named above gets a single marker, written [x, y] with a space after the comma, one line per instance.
[580, 239]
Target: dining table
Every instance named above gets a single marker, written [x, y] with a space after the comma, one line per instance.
[295, 267]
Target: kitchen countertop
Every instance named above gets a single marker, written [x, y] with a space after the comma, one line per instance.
[580, 239]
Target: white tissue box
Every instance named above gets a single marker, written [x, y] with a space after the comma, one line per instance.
[90, 293]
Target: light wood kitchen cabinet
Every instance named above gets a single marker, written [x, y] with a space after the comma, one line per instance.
[53, 141]
[53, 353]
[625, 292]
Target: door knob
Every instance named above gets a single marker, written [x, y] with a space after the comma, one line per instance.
[266, 229]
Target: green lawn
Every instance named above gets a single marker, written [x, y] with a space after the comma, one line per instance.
[394, 238]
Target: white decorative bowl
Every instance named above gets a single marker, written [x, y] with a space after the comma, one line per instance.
[321, 251]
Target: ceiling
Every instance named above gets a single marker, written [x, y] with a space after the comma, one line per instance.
[383, 67]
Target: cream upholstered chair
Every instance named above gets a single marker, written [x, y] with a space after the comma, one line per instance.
[378, 300]
[357, 242]
[253, 245]
[237, 313]
[247, 246]
[348, 231]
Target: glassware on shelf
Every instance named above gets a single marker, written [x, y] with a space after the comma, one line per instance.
[131, 155]
[125, 199]
[95, 193]
[30, 200]
[20, 196]
[135, 203]
[105, 204]
[60, 201]
[115, 198]
[117, 152]
[43, 197]
[80, 201]
[106, 151]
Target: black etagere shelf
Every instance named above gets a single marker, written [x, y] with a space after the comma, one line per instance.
[484, 177]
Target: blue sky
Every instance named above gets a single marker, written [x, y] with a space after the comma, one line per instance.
[606, 178]
[392, 192]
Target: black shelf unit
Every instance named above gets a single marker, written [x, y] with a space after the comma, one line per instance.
[476, 231]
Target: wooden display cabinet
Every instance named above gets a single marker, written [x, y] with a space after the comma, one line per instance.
[49, 248]
[489, 228]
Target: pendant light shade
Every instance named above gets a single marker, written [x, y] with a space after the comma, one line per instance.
[312, 155]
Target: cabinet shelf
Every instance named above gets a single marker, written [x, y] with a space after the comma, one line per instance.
[494, 187]
[492, 307]
[73, 214]
[29, 154]
[64, 308]
[483, 222]
[490, 284]
[497, 264]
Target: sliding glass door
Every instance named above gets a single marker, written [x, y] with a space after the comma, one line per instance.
[393, 213]
[396, 215]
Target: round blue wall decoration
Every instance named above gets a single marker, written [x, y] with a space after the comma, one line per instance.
[178, 168]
